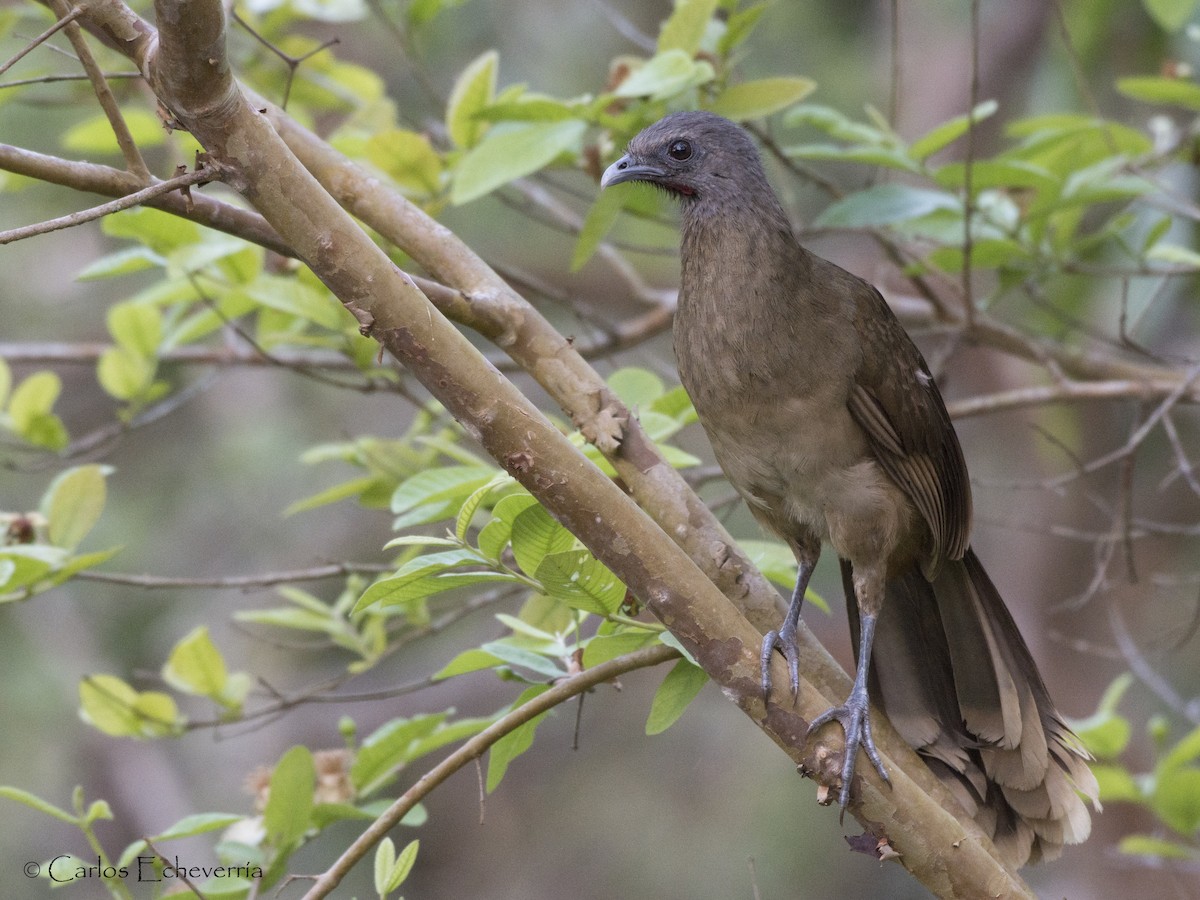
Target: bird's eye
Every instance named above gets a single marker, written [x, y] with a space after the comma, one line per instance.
[680, 150]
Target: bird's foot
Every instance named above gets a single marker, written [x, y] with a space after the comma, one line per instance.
[855, 718]
[785, 640]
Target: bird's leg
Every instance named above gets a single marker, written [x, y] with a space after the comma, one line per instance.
[785, 638]
[854, 715]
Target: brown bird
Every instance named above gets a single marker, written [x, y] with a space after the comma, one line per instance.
[826, 419]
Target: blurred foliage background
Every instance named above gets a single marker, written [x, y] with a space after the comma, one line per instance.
[709, 808]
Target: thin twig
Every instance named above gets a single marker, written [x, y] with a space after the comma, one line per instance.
[476, 747]
[106, 209]
[62, 23]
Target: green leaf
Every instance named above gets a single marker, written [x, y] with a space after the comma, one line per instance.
[385, 860]
[290, 800]
[599, 221]
[73, 503]
[1183, 753]
[1165, 91]
[160, 231]
[95, 134]
[1176, 799]
[111, 705]
[1147, 845]
[516, 742]
[684, 29]
[885, 204]
[677, 690]
[495, 535]
[665, 75]
[1116, 784]
[199, 823]
[123, 262]
[581, 581]
[125, 374]
[35, 802]
[408, 158]
[530, 108]
[837, 125]
[866, 154]
[439, 485]
[196, 666]
[1171, 15]
[522, 658]
[471, 505]
[297, 298]
[474, 89]
[604, 647]
[738, 27]
[390, 870]
[1174, 255]
[942, 136]
[535, 533]
[136, 326]
[505, 156]
[472, 660]
[635, 386]
[32, 398]
[756, 99]
[389, 747]
[337, 492]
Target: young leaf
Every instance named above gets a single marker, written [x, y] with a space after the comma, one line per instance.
[516, 742]
[199, 823]
[1148, 845]
[600, 219]
[390, 870]
[667, 74]
[684, 29]
[635, 386]
[196, 666]
[1171, 15]
[534, 535]
[885, 204]
[677, 690]
[756, 99]
[441, 484]
[35, 802]
[136, 326]
[508, 155]
[942, 136]
[111, 705]
[73, 503]
[290, 801]
[474, 89]
[388, 748]
[1176, 799]
[471, 660]
[738, 27]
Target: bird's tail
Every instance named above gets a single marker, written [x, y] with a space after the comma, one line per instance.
[955, 678]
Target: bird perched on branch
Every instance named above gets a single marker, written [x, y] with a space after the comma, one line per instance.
[826, 419]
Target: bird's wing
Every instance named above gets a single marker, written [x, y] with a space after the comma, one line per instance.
[896, 403]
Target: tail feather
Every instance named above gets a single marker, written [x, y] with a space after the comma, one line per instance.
[989, 731]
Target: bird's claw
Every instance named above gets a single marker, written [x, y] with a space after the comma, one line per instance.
[855, 718]
[785, 640]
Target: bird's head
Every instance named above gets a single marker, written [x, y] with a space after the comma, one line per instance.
[697, 156]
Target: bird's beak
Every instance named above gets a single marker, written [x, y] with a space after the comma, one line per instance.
[627, 168]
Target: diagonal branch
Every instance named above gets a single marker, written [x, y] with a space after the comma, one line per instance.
[191, 76]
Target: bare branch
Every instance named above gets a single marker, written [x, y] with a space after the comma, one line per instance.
[106, 209]
[104, 94]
